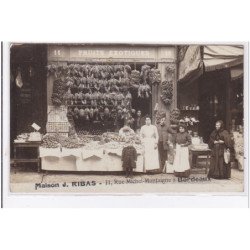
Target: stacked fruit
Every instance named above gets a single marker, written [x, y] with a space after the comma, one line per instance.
[70, 143]
[167, 92]
[175, 116]
[154, 76]
[50, 141]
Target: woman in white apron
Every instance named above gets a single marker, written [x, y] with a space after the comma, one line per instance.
[149, 137]
[181, 160]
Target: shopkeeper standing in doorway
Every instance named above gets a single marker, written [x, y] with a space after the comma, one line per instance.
[163, 143]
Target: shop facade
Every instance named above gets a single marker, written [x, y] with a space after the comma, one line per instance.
[81, 90]
[105, 87]
[160, 57]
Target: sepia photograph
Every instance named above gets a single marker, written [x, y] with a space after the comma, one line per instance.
[114, 118]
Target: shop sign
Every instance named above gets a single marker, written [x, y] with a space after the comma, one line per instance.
[81, 53]
[112, 53]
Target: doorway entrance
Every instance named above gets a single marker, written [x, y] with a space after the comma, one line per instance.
[213, 103]
[28, 88]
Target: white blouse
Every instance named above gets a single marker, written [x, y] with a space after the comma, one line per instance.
[149, 132]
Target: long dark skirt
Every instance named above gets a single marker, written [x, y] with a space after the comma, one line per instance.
[218, 168]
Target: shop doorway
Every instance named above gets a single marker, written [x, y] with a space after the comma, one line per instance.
[142, 104]
[213, 89]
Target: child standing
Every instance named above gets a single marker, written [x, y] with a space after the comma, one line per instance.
[129, 158]
[181, 160]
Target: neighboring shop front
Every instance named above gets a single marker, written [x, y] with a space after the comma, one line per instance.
[28, 88]
[211, 88]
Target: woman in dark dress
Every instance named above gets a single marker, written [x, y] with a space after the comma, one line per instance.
[218, 142]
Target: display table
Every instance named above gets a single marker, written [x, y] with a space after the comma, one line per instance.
[81, 159]
[25, 145]
[196, 153]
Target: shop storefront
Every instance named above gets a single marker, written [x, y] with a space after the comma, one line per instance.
[92, 91]
[82, 95]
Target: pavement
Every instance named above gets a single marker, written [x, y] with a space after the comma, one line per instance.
[25, 179]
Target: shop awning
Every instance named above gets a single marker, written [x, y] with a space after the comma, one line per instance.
[236, 72]
[191, 65]
[222, 56]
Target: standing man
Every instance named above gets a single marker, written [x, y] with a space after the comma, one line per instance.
[138, 122]
[163, 143]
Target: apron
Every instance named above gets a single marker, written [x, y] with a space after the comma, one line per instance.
[151, 154]
[181, 160]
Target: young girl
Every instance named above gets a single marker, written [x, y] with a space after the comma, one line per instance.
[181, 160]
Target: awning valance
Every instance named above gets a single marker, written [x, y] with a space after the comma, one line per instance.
[237, 72]
[190, 66]
[222, 56]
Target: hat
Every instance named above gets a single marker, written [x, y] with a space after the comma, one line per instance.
[182, 125]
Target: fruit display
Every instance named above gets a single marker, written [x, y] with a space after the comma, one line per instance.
[144, 91]
[159, 114]
[154, 76]
[145, 69]
[111, 136]
[50, 141]
[189, 121]
[89, 132]
[97, 94]
[68, 142]
[56, 140]
[90, 142]
[59, 89]
[85, 84]
[167, 92]
[93, 145]
[23, 137]
[175, 116]
[135, 76]
[170, 71]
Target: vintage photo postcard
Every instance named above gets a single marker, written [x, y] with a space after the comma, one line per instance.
[126, 118]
